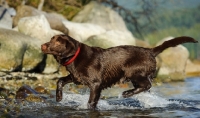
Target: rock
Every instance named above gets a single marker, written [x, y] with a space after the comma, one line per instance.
[55, 20]
[192, 68]
[173, 62]
[5, 18]
[101, 15]
[19, 52]
[29, 94]
[38, 27]
[116, 30]
[56, 23]
[111, 38]
[34, 98]
[23, 92]
[82, 31]
[51, 65]
[40, 89]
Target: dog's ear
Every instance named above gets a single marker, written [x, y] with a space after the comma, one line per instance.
[71, 45]
[70, 41]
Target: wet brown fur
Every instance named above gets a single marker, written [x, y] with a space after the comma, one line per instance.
[101, 68]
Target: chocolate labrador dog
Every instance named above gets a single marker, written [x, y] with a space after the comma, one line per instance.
[101, 68]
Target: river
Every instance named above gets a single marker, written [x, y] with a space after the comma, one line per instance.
[178, 99]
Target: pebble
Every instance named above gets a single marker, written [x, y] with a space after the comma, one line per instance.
[23, 92]
[40, 89]
[34, 98]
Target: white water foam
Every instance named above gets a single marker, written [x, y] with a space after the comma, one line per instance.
[146, 99]
[81, 101]
[149, 100]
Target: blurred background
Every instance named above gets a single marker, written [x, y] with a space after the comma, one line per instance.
[160, 18]
[147, 20]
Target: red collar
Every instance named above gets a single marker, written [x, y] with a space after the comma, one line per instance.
[73, 58]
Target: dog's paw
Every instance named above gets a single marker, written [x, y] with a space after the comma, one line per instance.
[127, 94]
[92, 106]
[58, 99]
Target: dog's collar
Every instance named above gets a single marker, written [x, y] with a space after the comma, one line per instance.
[73, 58]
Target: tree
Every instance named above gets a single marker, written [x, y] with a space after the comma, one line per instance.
[139, 21]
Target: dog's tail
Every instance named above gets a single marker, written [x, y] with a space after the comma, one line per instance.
[172, 43]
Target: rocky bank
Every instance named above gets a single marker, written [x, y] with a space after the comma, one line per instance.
[21, 36]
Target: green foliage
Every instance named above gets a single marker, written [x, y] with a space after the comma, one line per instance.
[177, 18]
[69, 11]
[68, 8]
[176, 22]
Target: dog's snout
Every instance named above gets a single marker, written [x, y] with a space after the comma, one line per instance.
[44, 47]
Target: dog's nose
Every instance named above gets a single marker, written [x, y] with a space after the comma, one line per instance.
[43, 47]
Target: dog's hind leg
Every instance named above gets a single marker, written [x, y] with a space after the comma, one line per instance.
[144, 84]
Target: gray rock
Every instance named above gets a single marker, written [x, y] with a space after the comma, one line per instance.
[116, 30]
[101, 15]
[111, 38]
[51, 65]
[82, 31]
[38, 27]
[19, 52]
[55, 20]
[173, 62]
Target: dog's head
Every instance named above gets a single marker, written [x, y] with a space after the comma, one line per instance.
[61, 47]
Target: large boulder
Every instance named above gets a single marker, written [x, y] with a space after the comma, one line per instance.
[101, 15]
[110, 39]
[116, 30]
[82, 31]
[38, 27]
[173, 62]
[55, 20]
[192, 68]
[19, 52]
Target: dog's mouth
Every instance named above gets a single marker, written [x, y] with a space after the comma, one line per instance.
[45, 49]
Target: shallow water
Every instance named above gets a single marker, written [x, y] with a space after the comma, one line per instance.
[180, 99]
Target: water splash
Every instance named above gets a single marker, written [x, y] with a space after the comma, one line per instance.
[142, 100]
[75, 100]
[149, 100]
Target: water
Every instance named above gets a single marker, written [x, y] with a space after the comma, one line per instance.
[180, 99]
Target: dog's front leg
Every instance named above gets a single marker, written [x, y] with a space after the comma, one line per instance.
[95, 92]
[60, 83]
